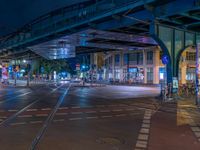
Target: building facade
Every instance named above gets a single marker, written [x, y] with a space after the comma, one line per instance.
[142, 66]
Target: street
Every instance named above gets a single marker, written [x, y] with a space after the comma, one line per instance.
[107, 117]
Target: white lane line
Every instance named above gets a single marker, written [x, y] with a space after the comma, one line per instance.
[143, 136]
[75, 118]
[41, 115]
[18, 123]
[61, 108]
[104, 111]
[32, 109]
[12, 110]
[61, 114]
[146, 121]
[58, 120]
[106, 116]
[145, 125]
[100, 105]
[35, 122]
[74, 113]
[46, 109]
[95, 117]
[117, 110]
[144, 130]
[3, 117]
[130, 109]
[113, 105]
[91, 112]
[25, 116]
[120, 115]
[74, 107]
[141, 144]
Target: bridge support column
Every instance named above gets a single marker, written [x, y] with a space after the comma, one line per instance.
[173, 42]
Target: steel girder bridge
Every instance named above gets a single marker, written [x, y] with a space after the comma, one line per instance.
[173, 24]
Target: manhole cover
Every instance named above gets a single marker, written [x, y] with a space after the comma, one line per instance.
[110, 140]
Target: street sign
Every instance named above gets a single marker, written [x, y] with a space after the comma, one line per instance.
[165, 59]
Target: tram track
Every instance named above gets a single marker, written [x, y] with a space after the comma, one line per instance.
[11, 118]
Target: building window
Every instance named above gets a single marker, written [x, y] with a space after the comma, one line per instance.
[117, 74]
[133, 58]
[110, 60]
[190, 74]
[190, 56]
[125, 59]
[140, 58]
[150, 57]
[117, 59]
[149, 75]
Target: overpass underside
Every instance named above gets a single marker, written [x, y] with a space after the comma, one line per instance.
[113, 25]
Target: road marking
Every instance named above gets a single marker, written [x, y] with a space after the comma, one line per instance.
[145, 125]
[100, 105]
[74, 107]
[121, 115]
[106, 116]
[60, 114]
[104, 111]
[95, 117]
[25, 116]
[18, 123]
[90, 112]
[46, 109]
[117, 110]
[143, 137]
[63, 108]
[31, 109]
[59, 120]
[75, 118]
[130, 109]
[2, 110]
[41, 115]
[12, 110]
[141, 144]
[144, 130]
[34, 122]
[74, 113]
[146, 121]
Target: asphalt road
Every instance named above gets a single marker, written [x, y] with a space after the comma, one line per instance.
[86, 118]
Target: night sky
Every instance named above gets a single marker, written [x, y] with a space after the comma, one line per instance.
[16, 13]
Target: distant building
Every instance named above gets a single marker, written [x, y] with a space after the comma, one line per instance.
[142, 66]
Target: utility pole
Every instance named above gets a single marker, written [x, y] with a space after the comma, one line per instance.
[15, 75]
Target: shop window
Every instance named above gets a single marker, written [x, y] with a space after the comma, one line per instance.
[150, 75]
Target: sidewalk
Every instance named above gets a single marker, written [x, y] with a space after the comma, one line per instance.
[175, 127]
